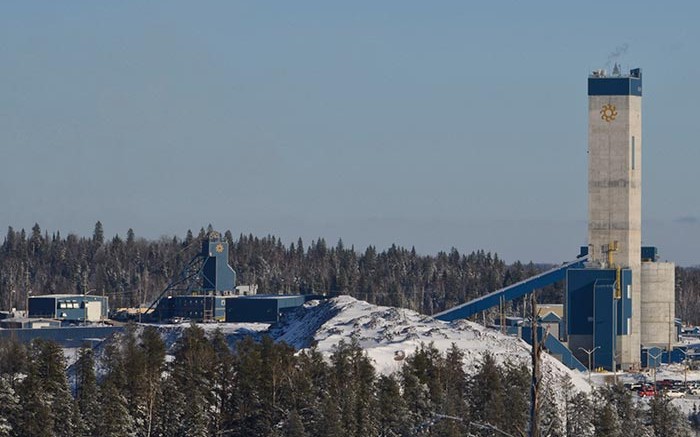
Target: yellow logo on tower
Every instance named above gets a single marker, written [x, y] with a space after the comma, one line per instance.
[219, 247]
[609, 112]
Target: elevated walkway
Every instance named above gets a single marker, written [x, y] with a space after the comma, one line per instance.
[510, 292]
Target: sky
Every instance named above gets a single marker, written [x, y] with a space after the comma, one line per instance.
[427, 124]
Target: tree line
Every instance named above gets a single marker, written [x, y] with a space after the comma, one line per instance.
[267, 389]
[133, 271]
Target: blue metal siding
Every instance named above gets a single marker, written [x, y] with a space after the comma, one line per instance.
[614, 86]
[263, 308]
[245, 311]
[65, 307]
[579, 301]
[217, 274]
[624, 307]
[42, 307]
[604, 317]
[192, 307]
[580, 297]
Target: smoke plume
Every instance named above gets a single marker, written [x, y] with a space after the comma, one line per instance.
[616, 54]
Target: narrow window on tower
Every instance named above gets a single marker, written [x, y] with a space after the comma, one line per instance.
[632, 153]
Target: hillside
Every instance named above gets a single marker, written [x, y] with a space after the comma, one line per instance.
[385, 333]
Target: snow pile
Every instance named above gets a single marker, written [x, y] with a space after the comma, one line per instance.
[387, 332]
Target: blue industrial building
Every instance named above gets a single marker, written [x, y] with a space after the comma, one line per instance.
[69, 307]
[261, 308]
[200, 291]
[206, 291]
[598, 309]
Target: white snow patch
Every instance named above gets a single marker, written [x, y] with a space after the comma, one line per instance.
[385, 331]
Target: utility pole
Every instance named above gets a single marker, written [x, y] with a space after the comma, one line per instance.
[590, 354]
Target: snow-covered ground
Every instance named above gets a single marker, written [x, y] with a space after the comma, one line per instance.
[385, 333]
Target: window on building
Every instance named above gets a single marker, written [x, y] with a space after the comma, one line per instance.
[633, 152]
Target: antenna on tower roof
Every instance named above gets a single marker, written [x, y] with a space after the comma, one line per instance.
[616, 69]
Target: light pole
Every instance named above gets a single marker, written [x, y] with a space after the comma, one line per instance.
[617, 355]
[655, 357]
[590, 354]
[685, 366]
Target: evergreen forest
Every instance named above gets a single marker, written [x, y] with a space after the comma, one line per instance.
[127, 387]
[133, 271]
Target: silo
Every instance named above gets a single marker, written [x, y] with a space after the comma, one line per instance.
[658, 304]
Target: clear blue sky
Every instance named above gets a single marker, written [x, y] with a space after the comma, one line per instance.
[434, 124]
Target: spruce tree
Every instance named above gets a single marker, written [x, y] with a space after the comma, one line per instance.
[516, 401]
[392, 408]
[606, 421]
[666, 419]
[294, 426]
[487, 393]
[154, 363]
[192, 372]
[45, 397]
[579, 416]
[86, 393]
[454, 394]
[169, 410]
[9, 409]
[115, 419]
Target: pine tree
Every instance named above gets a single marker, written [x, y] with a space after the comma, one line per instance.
[115, 420]
[392, 408]
[487, 393]
[353, 381]
[666, 419]
[552, 424]
[154, 362]
[516, 401]
[192, 375]
[295, 427]
[98, 235]
[629, 413]
[454, 389]
[169, 410]
[606, 421]
[9, 409]
[87, 398]
[311, 385]
[579, 416]
[47, 407]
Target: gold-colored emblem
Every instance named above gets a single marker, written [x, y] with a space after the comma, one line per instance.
[219, 248]
[609, 112]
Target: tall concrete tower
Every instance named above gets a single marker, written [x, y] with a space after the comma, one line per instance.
[615, 188]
